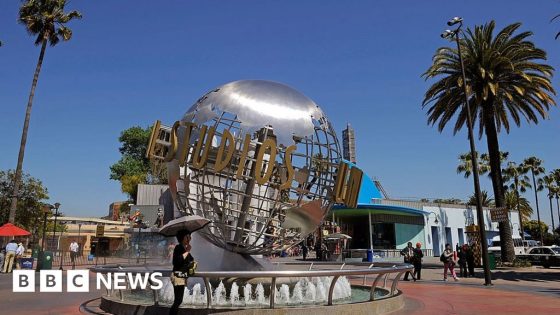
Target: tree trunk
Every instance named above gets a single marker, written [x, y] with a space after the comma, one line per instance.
[551, 214]
[521, 230]
[538, 211]
[506, 239]
[17, 179]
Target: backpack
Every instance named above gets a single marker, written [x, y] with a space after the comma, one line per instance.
[442, 258]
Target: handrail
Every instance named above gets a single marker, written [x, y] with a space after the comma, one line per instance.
[399, 269]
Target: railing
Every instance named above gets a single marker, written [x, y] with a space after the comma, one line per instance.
[383, 253]
[382, 271]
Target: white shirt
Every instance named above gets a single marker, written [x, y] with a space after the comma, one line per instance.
[20, 250]
[74, 247]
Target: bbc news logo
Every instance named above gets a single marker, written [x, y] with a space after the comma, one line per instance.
[78, 281]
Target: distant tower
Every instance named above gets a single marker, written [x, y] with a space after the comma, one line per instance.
[349, 144]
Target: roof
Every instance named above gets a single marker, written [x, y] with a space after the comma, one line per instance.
[93, 220]
[369, 192]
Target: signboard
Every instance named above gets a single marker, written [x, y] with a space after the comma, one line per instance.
[499, 214]
[100, 231]
[472, 228]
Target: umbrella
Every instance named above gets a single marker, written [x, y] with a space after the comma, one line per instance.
[339, 236]
[9, 229]
[192, 223]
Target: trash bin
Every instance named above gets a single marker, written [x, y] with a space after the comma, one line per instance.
[492, 261]
[47, 260]
[370, 255]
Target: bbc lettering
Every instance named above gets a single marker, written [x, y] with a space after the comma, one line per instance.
[78, 280]
[50, 281]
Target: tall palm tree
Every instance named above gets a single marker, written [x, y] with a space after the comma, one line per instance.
[516, 176]
[556, 173]
[46, 20]
[506, 81]
[549, 182]
[465, 165]
[534, 164]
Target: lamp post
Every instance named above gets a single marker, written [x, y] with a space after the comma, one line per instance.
[56, 206]
[454, 34]
[46, 211]
[436, 221]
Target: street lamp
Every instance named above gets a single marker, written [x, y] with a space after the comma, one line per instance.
[46, 211]
[454, 34]
[436, 221]
[56, 206]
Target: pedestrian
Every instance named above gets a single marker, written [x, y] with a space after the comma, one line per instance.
[408, 253]
[2, 257]
[417, 261]
[74, 247]
[20, 250]
[448, 262]
[10, 256]
[470, 259]
[304, 250]
[183, 264]
[463, 260]
[318, 255]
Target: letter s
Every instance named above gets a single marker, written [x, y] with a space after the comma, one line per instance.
[156, 281]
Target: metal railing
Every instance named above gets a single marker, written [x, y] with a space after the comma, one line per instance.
[383, 253]
[382, 271]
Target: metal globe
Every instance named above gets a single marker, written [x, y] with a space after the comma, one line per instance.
[259, 161]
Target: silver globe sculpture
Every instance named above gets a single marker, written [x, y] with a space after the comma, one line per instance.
[270, 158]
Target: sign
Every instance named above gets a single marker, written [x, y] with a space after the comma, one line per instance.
[499, 214]
[100, 231]
[472, 228]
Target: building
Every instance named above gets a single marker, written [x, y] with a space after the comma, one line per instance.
[83, 230]
[349, 144]
[384, 224]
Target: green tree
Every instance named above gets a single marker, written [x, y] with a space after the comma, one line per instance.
[32, 193]
[486, 200]
[532, 227]
[522, 204]
[134, 168]
[47, 20]
[534, 164]
[506, 82]
[453, 201]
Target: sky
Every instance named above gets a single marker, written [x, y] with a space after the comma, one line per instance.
[132, 62]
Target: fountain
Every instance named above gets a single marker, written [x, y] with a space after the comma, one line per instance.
[262, 163]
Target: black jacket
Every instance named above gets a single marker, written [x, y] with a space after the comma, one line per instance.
[180, 263]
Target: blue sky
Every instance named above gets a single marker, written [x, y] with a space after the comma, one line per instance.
[131, 62]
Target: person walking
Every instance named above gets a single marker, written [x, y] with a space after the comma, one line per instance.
[2, 257]
[470, 259]
[463, 260]
[408, 253]
[19, 254]
[74, 248]
[304, 250]
[10, 256]
[448, 262]
[182, 261]
[417, 261]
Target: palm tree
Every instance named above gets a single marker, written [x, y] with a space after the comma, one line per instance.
[485, 199]
[518, 181]
[534, 165]
[465, 165]
[525, 209]
[549, 182]
[506, 82]
[45, 19]
[556, 173]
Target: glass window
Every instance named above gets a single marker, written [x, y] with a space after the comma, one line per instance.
[535, 251]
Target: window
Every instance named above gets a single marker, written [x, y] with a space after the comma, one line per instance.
[547, 251]
[535, 251]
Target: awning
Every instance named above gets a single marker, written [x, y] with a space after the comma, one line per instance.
[378, 208]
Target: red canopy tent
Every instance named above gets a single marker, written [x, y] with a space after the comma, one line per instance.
[9, 229]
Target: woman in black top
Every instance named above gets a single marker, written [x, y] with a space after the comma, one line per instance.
[181, 258]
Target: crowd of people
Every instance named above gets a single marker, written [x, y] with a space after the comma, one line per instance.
[462, 256]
